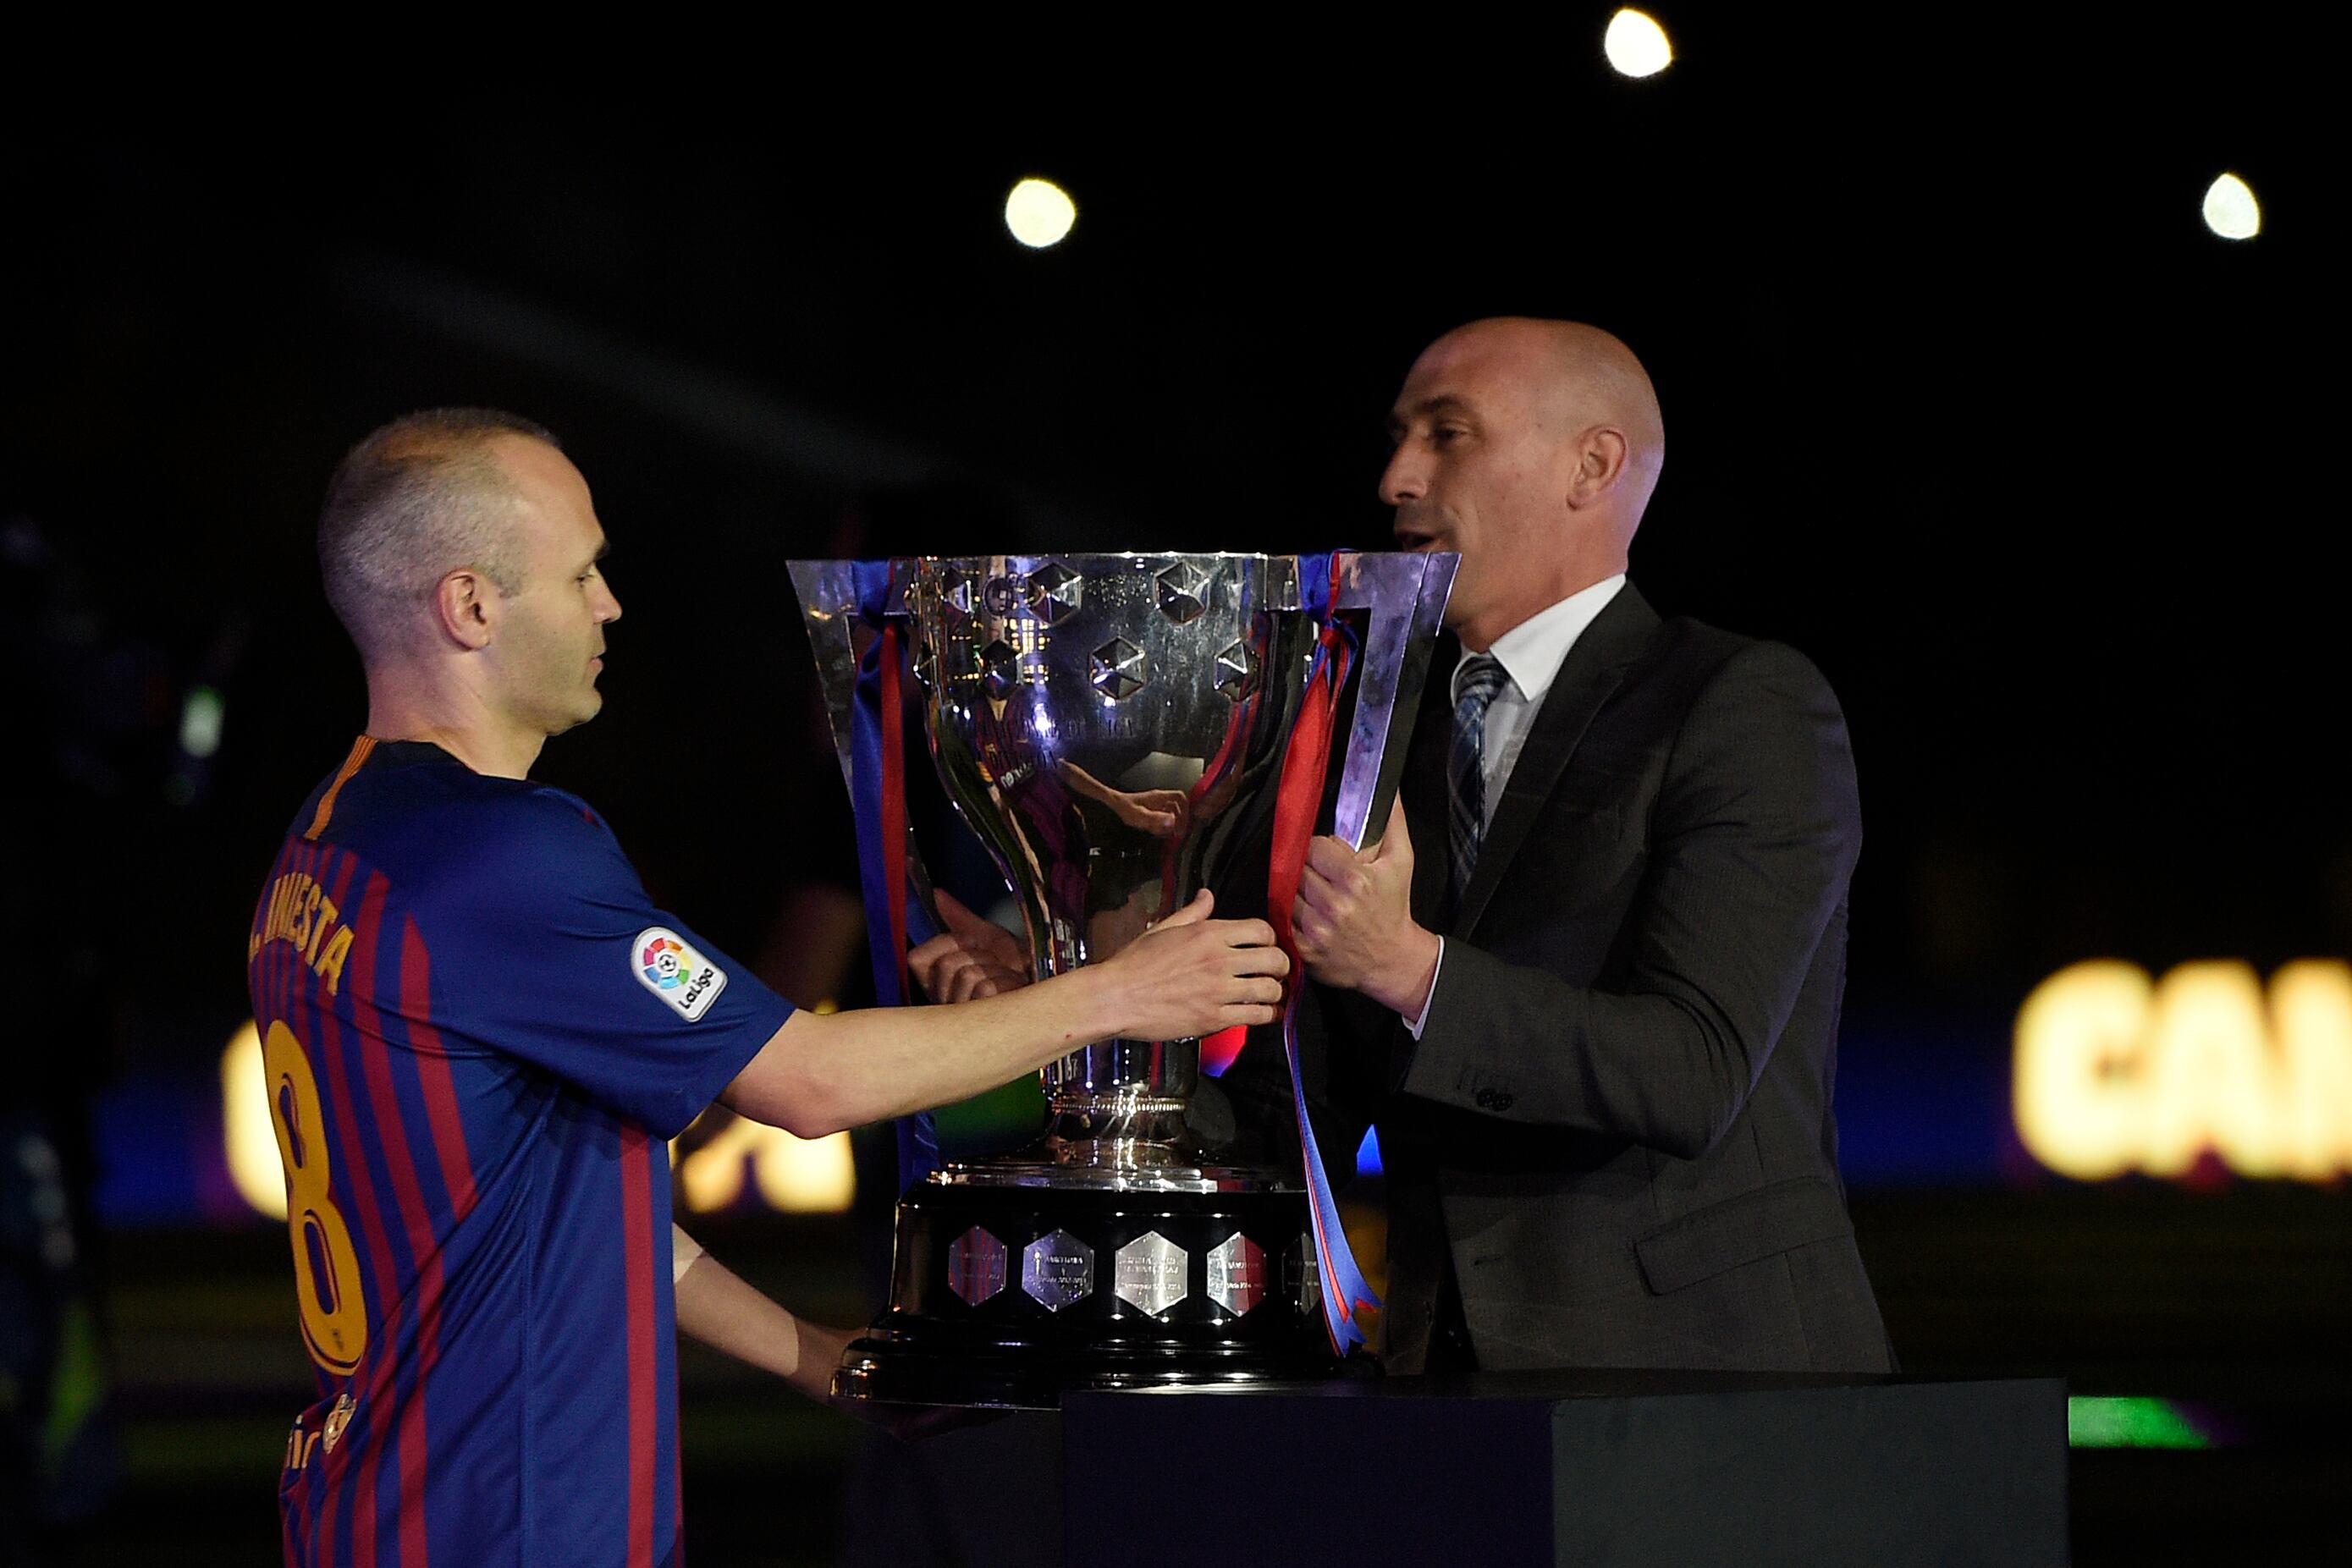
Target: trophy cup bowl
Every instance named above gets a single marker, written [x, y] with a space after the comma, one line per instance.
[1113, 729]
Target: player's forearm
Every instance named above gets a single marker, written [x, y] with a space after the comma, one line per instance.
[822, 1074]
[715, 1307]
[1187, 976]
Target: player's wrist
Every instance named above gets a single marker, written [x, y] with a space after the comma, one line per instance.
[1102, 1000]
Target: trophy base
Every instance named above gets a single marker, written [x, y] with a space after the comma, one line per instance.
[1017, 1280]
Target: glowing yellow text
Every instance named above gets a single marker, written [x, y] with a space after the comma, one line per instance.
[254, 1165]
[2117, 1071]
[798, 1176]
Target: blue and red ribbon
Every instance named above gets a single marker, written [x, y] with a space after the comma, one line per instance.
[877, 799]
[1298, 804]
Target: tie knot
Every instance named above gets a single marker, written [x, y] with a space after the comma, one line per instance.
[1479, 678]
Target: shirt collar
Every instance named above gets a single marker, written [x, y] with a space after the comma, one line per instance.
[403, 752]
[1532, 652]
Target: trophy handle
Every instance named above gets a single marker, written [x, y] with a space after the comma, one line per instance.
[829, 607]
[828, 593]
[1406, 596]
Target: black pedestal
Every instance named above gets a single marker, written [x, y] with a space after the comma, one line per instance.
[1570, 1468]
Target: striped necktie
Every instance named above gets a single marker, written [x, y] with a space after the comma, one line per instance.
[1478, 681]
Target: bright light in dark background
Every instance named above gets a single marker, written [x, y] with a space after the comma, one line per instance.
[1040, 213]
[1636, 44]
[200, 722]
[2230, 210]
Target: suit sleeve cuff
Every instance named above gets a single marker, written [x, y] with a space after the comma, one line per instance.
[1420, 1019]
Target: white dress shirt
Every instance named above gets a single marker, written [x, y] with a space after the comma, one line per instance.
[1531, 654]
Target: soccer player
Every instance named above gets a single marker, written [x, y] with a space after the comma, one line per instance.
[478, 1034]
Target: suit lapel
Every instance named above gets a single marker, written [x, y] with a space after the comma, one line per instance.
[1423, 786]
[1593, 669]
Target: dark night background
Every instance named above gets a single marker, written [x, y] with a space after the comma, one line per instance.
[1962, 399]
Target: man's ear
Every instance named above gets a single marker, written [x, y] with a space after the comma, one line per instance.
[465, 606]
[1600, 463]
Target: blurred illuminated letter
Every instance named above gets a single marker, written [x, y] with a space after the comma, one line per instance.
[2080, 1104]
[246, 1133]
[799, 1175]
[2208, 1072]
[2311, 1009]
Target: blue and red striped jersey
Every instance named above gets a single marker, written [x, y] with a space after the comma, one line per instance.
[478, 1036]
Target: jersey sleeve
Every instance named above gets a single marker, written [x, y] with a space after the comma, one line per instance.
[566, 964]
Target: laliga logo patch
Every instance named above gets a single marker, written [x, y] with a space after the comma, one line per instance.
[668, 966]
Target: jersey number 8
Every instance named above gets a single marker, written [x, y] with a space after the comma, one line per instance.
[326, 1266]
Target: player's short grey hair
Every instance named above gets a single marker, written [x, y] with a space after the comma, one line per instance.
[413, 502]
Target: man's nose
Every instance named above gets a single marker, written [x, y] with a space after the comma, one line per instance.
[1404, 479]
[610, 609]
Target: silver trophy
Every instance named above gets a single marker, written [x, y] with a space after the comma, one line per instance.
[1114, 728]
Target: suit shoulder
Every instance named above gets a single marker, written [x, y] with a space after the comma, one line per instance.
[1761, 721]
[1721, 657]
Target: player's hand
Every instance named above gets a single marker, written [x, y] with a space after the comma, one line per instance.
[1353, 919]
[821, 1347]
[973, 957]
[1163, 813]
[1159, 812]
[1190, 975]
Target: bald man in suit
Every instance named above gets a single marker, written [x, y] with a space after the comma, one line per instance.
[1587, 985]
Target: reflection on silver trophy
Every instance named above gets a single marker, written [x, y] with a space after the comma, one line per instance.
[1114, 728]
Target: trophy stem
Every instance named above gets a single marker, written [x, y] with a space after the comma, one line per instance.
[1137, 1135]
[1111, 1073]
[1119, 1105]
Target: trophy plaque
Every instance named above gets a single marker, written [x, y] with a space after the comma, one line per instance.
[1113, 729]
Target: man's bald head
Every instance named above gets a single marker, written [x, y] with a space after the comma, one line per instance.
[414, 500]
[1531, 447]
[1576, 377]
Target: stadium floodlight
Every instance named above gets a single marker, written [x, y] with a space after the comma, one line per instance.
[2230, 210]
[1039, 212]
[1636, 44]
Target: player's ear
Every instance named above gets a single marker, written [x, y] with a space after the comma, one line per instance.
[465, 606]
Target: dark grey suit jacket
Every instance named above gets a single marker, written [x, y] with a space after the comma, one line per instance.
[1617, 1117]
